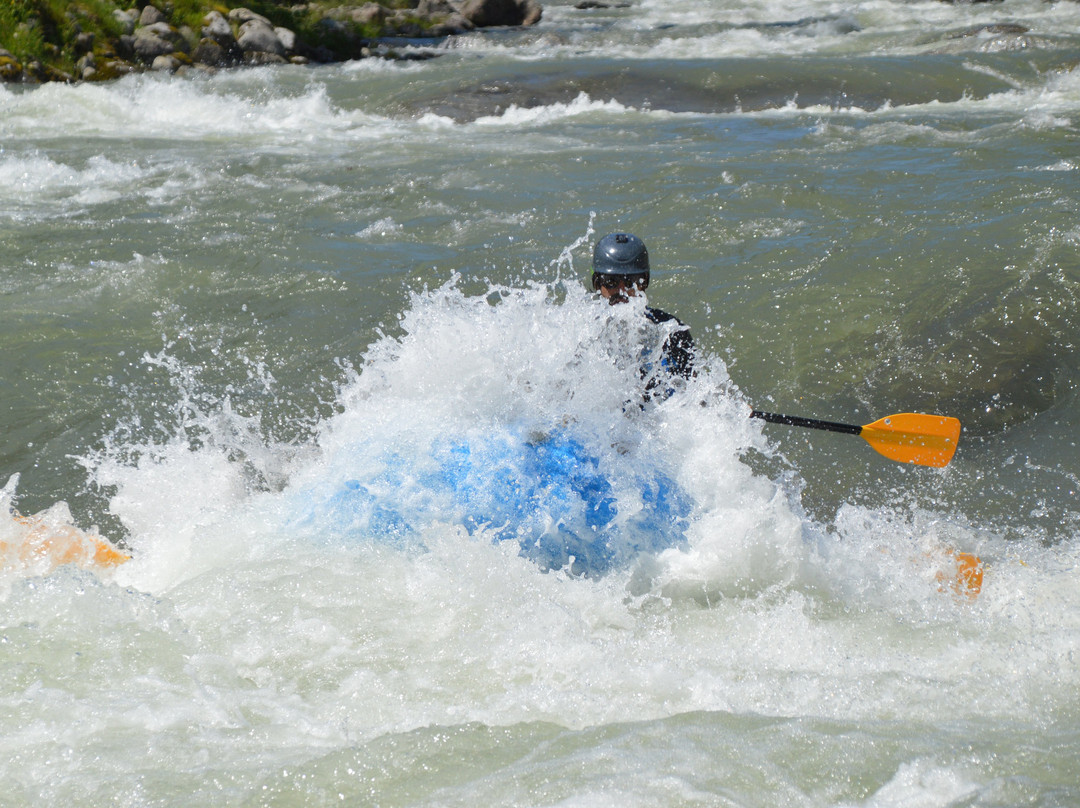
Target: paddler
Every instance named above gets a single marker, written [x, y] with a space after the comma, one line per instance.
[620, 267]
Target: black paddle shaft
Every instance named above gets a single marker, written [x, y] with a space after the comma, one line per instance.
[809, 423]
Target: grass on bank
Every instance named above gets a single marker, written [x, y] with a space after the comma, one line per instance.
[45, 31]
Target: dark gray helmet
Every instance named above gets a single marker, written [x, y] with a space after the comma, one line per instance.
[620, 254]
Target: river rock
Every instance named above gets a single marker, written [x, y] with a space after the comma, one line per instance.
[208, 52]
[367, 14]
[151, 15]
[190, 37]
[243, 15]
[349, 43]
[126, 19]
[107, 69]
[287, 38]
[485, 13]
[402, 23]
[450, 25]
[10, 69]
[166, 63]
[257, 58]
[258, 36]
[84, 42]
[86, 67]
[434, 8]
[217, 28]
[328, 26]
[218, 46]
[159, 39]
[443, 18]
[212, 53]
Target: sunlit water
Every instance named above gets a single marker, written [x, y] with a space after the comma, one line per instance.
[315, 346]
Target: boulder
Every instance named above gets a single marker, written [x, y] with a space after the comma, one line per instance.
[434, 8]
[189, 36]
[166, 63]
[40, 72]
[443, 19]
[217, 28]
[367, 14]
[342, 39]
[263, 58]
[112, 69]
[242, 15]
[330, 27]
[125, 47]
[86, 67]
[287, 38]
[218, 46]
[403, 23]
[257, 36]
[84, 42]
[212, 53]
[485, 13]
[449, 25]
[10, 69]
[151, 15]
[208, 52]
[126, 19]
[159, 39]
[533, 11]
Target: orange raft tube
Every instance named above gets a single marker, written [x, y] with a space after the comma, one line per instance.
[40, 543]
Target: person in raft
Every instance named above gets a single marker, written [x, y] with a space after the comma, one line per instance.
[620, 270]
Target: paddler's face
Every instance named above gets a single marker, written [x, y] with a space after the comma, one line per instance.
[619, 288]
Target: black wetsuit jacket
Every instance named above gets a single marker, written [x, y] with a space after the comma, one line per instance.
[678, 351]
[676, 355]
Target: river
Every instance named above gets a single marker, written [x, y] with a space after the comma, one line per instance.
[316, 346]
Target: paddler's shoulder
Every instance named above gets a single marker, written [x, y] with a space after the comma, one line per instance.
[658, 316]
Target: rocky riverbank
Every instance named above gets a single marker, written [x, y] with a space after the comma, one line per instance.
[45, 40]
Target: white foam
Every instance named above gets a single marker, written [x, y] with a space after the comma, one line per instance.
[263, 638]
[924, 784]
[380, 229]
[464, 365]
[32, 179]
[148, 106]
[582, 105]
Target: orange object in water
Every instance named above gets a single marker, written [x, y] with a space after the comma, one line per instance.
[969, 574]
[907, 437]
[911, 437]
[967, 577]
[40, 545]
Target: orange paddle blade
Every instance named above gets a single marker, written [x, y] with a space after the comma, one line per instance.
[911, 437]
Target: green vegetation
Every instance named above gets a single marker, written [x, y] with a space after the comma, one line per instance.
[45, 31]
[47, 38]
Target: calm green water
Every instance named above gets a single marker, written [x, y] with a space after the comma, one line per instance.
[228, 299]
